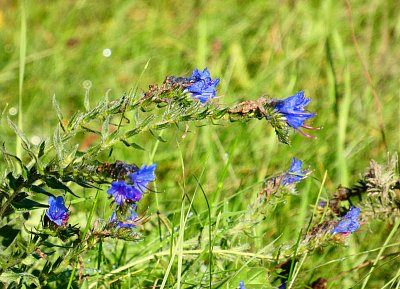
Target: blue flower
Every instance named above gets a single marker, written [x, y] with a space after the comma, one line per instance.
[143, 177]
[282, 286]
[292, 109]
[322, 204]
[203, 86]
[122, 192]
[348, 223]
[241, 285]
[129, 222]
[57, 212]
[295, 174]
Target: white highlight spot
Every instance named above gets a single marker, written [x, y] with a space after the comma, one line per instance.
[35, 140]
[13, 110]
[107, 52]
[87, 84]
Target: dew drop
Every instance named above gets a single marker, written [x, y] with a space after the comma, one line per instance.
[87, 84]
[13, 110]
[35, 140]
[107, 52]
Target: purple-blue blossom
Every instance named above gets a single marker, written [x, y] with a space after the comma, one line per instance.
[141, 178]
[295, 174]
[348, 223]
[241, 285]
[57, 212]
[203, 87]
[122, 192]
[292, 109]
[129, 222]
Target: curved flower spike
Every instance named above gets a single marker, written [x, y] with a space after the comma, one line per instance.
[348, 223]
[292, 109]
[295, 174]
[57, 212]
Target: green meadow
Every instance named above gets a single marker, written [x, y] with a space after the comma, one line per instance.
[344, 55]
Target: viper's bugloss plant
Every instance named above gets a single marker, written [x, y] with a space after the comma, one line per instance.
[59, 163]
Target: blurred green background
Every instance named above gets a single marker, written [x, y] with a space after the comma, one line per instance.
[272, 48]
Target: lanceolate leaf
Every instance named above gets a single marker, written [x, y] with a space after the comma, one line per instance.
[28, 204]
[58, 145]
[58, 112]
[39, 190]
[54, 183]
[19, 133]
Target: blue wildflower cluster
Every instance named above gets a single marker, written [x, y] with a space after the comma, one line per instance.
[293, 112]
[57, 212]
[348, 223]
[132, 191]
[203, 86]
[129, 192]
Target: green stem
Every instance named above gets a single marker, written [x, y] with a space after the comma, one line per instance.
[22, 61]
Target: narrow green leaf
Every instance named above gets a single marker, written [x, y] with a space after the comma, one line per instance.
[39, 190]
[19, 133]
[136, 146]
[54, 183]
[159, 138]
[28, 204]
[42, 146]
[58, 145]
[8, 158]
[105, 129]
[3, 112]
[58, 112]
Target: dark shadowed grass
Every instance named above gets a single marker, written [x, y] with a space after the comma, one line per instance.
[256, 48]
